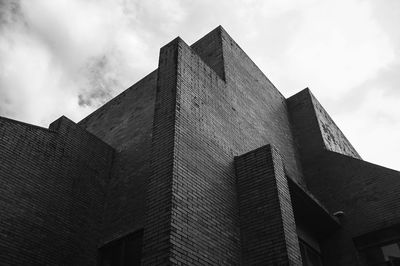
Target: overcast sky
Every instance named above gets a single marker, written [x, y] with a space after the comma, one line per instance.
[67, 57]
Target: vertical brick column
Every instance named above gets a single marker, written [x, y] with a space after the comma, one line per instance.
[268, 230]
[191, 212]
[156, 240]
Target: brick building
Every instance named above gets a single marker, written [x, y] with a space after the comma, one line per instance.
[202, 162]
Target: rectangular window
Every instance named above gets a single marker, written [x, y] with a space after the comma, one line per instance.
[387, 254]
[123, 251]
[381, 247]
[309, 256]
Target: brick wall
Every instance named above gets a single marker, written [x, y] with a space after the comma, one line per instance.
[210, 49]
[260, 110]
[51, 194]
[175, 135]
[315, 129]
[157, 243]
[233, 118]
[204, 190]
[367, 193]
[203, 122]
[268, 229]
[336, 175]
[125, 123]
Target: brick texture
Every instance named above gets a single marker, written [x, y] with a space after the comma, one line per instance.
[160, 157]
[368, 195]
[157, 245]
[336, 175]
[201, 122]
[52, 191]
[125, 123]
[268, 229]
[314, 129]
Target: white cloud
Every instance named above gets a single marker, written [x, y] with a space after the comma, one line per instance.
[374, 128]
[69, 56]
[337, 47]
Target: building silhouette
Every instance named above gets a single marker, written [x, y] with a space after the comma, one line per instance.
[202, 162]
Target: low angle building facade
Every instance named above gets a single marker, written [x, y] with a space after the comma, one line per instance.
[202, 162]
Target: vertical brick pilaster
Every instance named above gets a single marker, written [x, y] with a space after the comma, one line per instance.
[268, 230]
[156, 242]
[191, 217]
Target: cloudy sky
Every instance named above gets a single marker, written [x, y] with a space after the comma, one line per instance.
[70, 56]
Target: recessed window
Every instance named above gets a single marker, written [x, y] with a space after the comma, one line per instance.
[123, 251]
[381, 247]
[309, 256]
[387, 254]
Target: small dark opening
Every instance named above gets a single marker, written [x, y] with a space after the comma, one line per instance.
[387, 254]
[309, 256]
[122, 252]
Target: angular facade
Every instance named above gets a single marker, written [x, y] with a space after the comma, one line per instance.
[202, 162]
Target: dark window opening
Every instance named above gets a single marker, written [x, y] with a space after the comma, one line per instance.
[122, 252]
[383, 255]
[381, 247]
[309, 256]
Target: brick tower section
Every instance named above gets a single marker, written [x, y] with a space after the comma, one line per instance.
[157, 236]
[268, 230]
[208, 110]
[192, 217]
